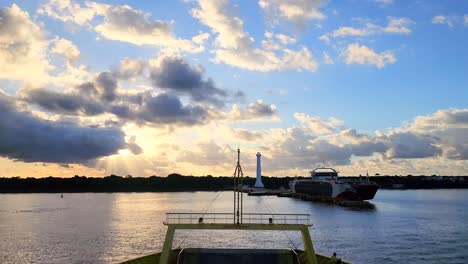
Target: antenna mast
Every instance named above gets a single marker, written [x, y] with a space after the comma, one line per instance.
[238, 202]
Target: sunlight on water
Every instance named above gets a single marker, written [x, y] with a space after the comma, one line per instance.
[406, 226]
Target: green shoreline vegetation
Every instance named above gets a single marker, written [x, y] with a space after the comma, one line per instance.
[178, 183]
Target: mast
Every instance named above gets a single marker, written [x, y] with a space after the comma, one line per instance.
[238, 196]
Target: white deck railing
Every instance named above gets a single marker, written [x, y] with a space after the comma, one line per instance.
[228, 218]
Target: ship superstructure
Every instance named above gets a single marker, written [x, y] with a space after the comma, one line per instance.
[325, 182]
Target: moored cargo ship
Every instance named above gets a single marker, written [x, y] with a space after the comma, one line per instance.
[324, 182]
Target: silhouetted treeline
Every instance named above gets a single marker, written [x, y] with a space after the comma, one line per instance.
[420, 182]
[177, 182]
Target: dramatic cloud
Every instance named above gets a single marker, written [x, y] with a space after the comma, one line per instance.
[22, 46]
[123, 23]
[65, 103]
[236, 47]
[363, 55]
[409, 146]
[253, 112]
[174, 74]
[298, 12]
[299, 148]
[167, 109]
[394, 26]
[449, 128]
[294, 148]
[441, 135]
[101, 95]
[28, 138]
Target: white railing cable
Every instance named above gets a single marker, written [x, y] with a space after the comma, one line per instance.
[206, 209]
[270, 209]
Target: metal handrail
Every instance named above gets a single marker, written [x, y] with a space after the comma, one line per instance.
[226, 218]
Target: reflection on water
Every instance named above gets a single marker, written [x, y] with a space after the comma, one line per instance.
[405, 226]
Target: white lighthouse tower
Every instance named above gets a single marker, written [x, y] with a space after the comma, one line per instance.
[258, 182]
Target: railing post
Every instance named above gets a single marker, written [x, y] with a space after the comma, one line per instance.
[167, 247]
[308, 246]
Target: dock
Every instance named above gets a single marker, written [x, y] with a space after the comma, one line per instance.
[307, 197]
[263, 191]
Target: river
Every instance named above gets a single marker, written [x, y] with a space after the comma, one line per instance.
[406, 226]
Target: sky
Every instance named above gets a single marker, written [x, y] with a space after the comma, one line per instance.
[157, 87]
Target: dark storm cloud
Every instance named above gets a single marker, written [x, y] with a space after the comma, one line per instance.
[31, 139]
[407, 145]
[167, 109]
[106, 85]
[67, 103]
[176, 75]
[261, 109]
[126, 18]
[103, 86]
[367, 148]
[254, 111]
[101, 95]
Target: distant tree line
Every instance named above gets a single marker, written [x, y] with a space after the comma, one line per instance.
[176, 182]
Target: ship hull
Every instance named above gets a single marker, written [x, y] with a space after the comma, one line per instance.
[315, 188]
[365, 191]
[336, 190]
[329, 189]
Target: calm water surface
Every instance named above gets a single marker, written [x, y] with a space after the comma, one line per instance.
[423, 226]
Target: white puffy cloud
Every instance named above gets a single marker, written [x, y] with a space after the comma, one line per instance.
[246, 135]
[450, 129]
[433, 138]
[26, 52]
[272, 39]
[23, 47]
[394, 26]
[67, 49]
[257, 111]
[317, 125]
[236, 47]
[68, 11]
[129, 68]
[298, 12]
[465, 19]
[442, 19]
[123, 23]
[285, 39]
[357, 54]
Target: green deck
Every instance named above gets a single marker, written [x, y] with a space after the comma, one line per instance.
[154, 259]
